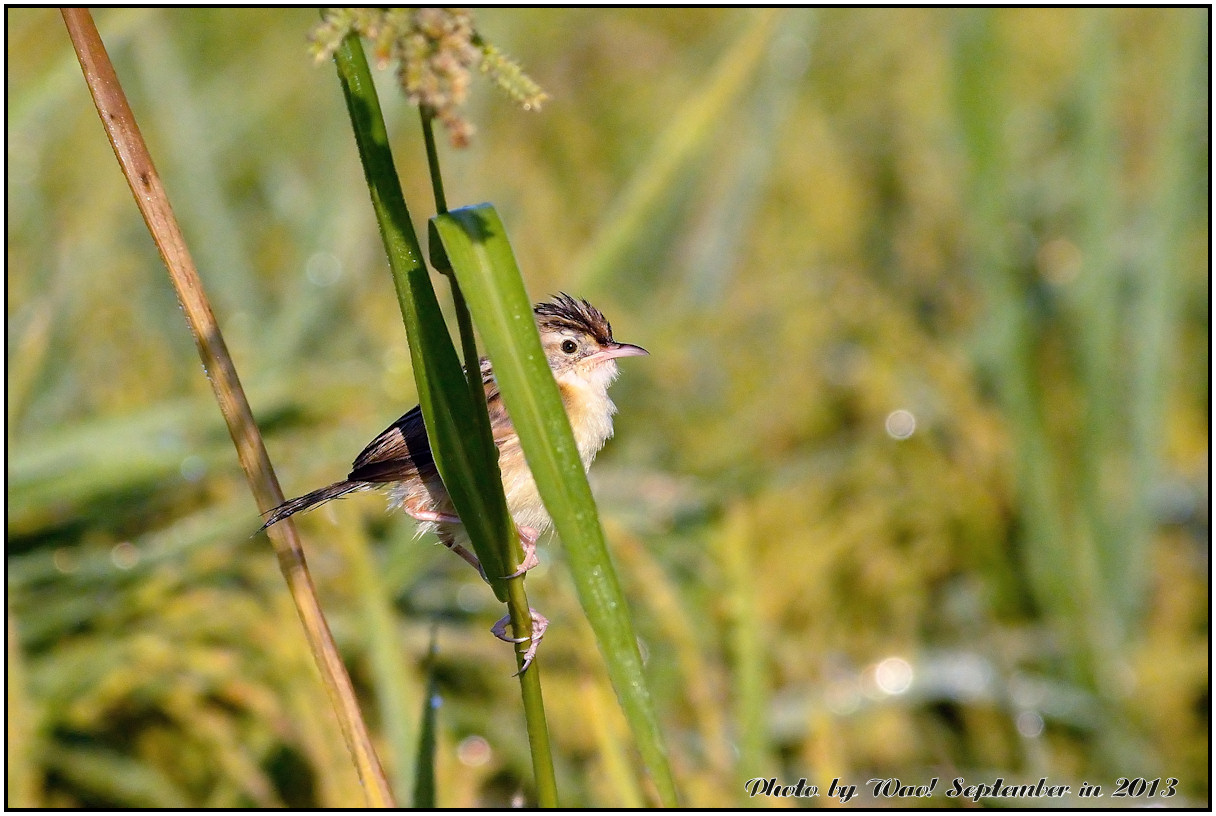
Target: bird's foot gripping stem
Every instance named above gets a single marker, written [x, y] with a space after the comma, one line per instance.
[527, 539]
[539, 624]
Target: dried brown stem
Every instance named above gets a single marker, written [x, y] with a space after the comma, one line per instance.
[153, 202]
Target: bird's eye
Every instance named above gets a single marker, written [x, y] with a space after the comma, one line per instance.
[569, 346]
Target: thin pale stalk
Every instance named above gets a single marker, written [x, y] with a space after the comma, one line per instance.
[677, 626]
[23, 741]
[517, 599]
[696, 121]
[153, 202]
[605, 725]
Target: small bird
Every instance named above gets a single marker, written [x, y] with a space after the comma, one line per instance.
[579, 347]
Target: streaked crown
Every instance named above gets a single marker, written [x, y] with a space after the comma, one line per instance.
[570, 314]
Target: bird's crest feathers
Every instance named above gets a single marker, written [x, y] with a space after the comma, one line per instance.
[573, 314]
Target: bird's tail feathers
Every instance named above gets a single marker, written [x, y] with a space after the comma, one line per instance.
[309, 500]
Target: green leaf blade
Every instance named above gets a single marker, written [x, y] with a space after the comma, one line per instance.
[467, 463]
[476, 245]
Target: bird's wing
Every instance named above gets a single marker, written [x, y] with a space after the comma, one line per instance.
[403, 450]
[500, 423]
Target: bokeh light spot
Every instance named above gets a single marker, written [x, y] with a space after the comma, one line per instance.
[64, 560]
[894, 675]
[900, 424]
[323, 268]
[125, 555]
[193, 468]
[474, 751]
[1030, 724]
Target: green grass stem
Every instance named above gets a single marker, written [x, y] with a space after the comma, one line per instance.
[467, 462]
[469, 469]
[1058, 561]
[1155, 313]
[733, 549]
[475, 243]
[424, 767]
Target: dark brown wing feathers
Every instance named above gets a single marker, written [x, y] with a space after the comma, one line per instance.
[402, 451]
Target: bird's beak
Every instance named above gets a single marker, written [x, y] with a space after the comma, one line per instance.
[614, 350]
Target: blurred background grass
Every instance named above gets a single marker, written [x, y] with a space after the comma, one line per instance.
[914, 484]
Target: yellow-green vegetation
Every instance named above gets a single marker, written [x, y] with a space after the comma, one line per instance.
[913, 484]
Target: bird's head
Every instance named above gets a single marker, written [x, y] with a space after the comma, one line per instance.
[578, 341]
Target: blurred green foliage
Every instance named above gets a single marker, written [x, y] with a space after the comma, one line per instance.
[914, 483]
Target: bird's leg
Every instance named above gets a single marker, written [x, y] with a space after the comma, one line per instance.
[464, 553]
[448, 540]
[539, 624]
[528, 537]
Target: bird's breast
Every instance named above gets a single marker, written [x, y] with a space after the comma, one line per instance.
[590, 411]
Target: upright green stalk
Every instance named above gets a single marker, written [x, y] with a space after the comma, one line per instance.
[517, 598]
[1055, 567]
[1098, 315]
[396, 695]
[453, 402]
[1155, 310]
[474, 239]
[466, 463]
[749, 692]
[432, 164]
[424, 770]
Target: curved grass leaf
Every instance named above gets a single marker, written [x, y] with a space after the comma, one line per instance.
[110, 776]
[476, 245]
[453, 407]
[467, 463]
